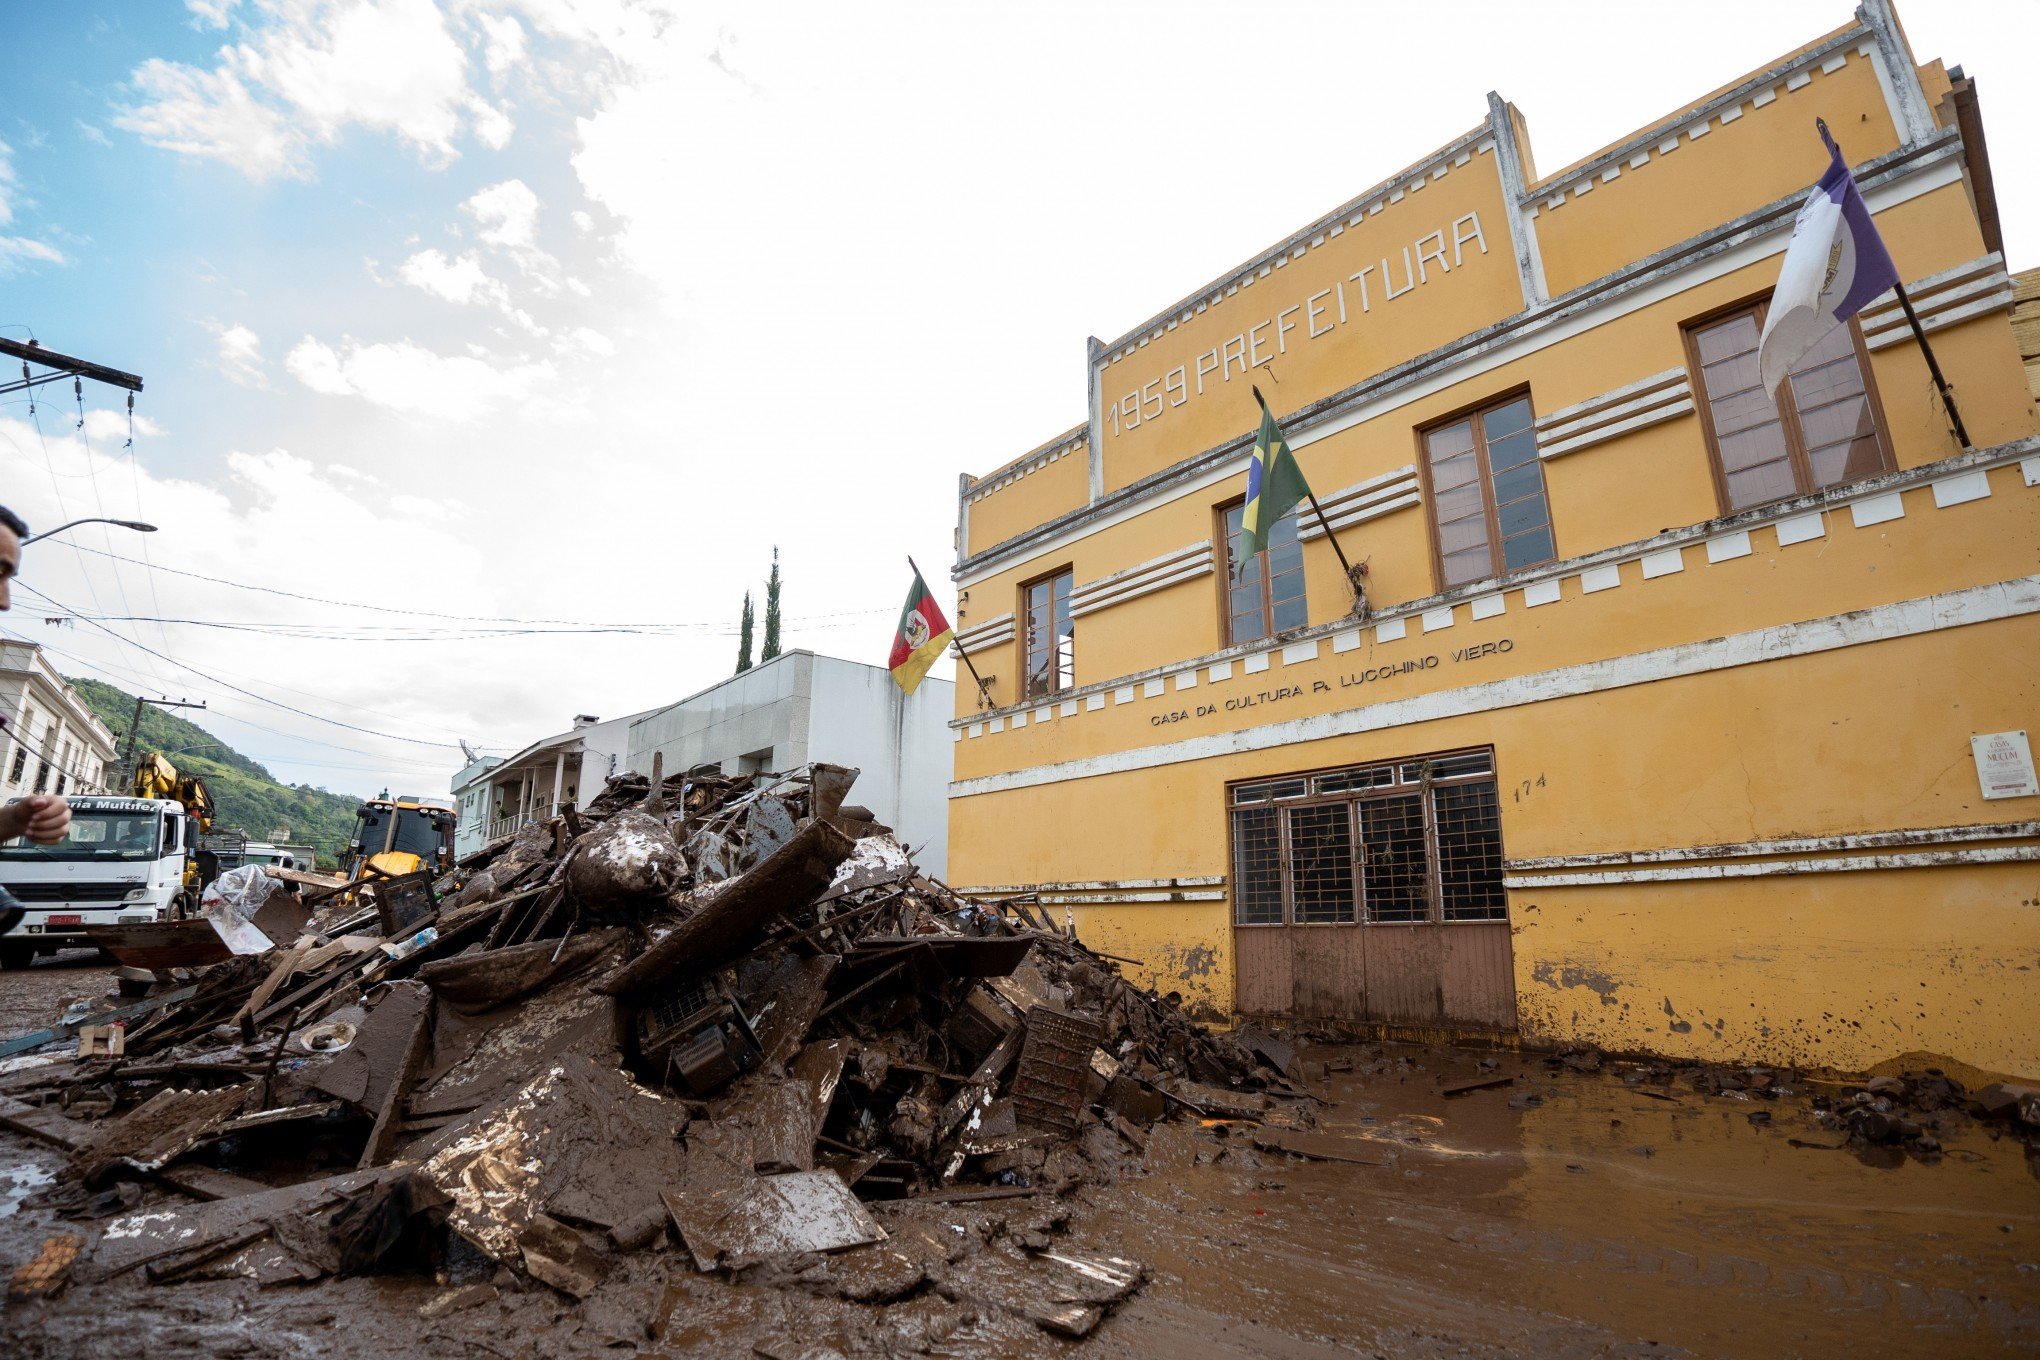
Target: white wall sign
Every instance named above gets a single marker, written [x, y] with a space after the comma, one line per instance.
[2004, 765]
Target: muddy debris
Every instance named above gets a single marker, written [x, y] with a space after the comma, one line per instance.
[724, 1019]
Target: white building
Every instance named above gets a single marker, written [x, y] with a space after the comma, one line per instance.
[546, 777]
[50, 741]
[800, 707]
[471, 801]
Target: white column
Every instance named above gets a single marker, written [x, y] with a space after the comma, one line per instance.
[559, 777]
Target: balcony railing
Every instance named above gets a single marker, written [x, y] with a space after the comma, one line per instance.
[512, 823]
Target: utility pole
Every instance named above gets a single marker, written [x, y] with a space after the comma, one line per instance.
[135, 732]
[62, 366]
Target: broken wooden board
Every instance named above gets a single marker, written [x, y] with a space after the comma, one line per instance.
[161, 1129]
[736, 918]
[580, 1141]
[755, 1220]
[1059, 1291]
[161, 1231]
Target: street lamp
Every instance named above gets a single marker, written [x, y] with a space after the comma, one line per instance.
[134, 524]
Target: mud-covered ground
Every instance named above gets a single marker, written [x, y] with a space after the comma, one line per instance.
[1564, 1214]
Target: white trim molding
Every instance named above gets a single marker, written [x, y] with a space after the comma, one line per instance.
[1990, 603]
[1918, 849]
[1977, 288]
[1371, 499]
[1184, 564]
[1108, 892]
[977, 488]
[1635, 406]
[1800, 520]
[982, 637]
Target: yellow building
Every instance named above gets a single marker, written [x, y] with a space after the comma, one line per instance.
[1675, 719]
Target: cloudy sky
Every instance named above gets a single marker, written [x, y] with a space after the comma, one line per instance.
[505, 316]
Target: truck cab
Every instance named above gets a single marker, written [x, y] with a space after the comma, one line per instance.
[121, 863]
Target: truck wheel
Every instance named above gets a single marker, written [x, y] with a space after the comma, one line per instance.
[14, 957]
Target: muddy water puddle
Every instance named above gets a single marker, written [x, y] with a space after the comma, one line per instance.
[1562, 1214]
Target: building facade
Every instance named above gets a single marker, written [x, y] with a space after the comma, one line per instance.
[1673, 718]
[50, 740]
[472, 805]
[800, 707]
[540, 781]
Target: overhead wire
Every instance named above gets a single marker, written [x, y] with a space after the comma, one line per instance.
[134, 677]
[807, 620]
[259, 698]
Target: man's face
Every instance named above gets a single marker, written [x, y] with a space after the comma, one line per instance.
[10, 562]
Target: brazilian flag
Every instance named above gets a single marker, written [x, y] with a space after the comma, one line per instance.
[1274, 485]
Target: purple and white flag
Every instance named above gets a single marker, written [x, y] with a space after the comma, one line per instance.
[1835, 264]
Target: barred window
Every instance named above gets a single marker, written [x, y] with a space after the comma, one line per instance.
[1402, 843]
[1257, 855]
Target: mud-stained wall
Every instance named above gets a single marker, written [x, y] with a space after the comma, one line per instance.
[1768, 710]
[1842, 970]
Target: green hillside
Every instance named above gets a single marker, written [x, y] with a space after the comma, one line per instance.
[248, 797]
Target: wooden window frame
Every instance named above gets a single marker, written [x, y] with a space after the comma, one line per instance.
[1434, 892]
[1496, 567]
[1222, 559]
[1024, 633]
[1795, 442]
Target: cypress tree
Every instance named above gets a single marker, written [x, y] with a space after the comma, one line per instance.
[771, 648]
[744, 638]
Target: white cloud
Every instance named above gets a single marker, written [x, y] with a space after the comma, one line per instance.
[583, 340]
[213, 114]
[102, 424]
[457, 279]
[313, 69]
[316, 366]
[462, 279]
[92, 133]
[508, 214]
[505, 42]
[240, 355]
[413, 380]
[8, 184]
[18, 252]
[212, 13]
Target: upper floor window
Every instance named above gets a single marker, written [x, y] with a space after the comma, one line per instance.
[1822, 431]
[1050, 637]
[1487, 493]
[1265, 597]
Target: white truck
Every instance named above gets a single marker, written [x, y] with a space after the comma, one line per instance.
[122, 863]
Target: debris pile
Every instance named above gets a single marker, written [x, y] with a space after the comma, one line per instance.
[727, 1013]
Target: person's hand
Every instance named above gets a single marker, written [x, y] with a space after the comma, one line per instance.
[43, 818]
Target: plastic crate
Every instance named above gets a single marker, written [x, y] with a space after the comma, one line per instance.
[1055, 1063]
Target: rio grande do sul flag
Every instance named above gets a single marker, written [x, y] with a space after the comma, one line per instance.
[922, 635]
[1835, 263]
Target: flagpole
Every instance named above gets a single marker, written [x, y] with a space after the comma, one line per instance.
[1334, 538]
[1933, 365]
[984, 690]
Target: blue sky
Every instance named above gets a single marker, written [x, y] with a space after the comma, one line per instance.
[571, 309]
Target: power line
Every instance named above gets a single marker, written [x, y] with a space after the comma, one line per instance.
[805, 620]
[249, 693]
[135, 677]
